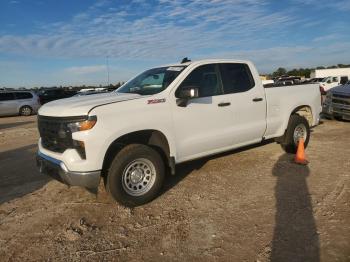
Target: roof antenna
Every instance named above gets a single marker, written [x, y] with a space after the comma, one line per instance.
[185, 60]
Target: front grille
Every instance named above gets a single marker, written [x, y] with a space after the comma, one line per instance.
[341, 102]
[341, 96]
[54, 133]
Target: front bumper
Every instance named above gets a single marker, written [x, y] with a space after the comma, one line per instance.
[333, 109]
[58, 170]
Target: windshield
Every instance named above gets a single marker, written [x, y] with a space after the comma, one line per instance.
[152, 81]
[325, 79]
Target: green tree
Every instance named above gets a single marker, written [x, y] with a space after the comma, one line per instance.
[279, 72]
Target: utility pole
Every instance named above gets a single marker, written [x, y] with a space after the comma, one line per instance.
[108, 71]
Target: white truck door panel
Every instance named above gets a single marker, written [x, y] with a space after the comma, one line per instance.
[202, 126]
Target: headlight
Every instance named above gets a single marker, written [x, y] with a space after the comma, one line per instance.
[82, 125]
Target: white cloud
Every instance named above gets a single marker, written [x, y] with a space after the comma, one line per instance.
[139, 30]
[169, 30]
[269, 59]
[341, 5]
[82, 70]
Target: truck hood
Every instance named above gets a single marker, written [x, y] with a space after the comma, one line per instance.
[341, 90]
[81, 105]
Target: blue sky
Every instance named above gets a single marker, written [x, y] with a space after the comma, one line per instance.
[46, 43]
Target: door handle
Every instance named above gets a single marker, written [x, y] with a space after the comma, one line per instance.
[257, 99]
[224, 104]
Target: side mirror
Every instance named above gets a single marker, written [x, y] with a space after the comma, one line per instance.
[186, 93]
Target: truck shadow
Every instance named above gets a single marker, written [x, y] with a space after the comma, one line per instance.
[18, 173]
[184, 169]
[295, 235]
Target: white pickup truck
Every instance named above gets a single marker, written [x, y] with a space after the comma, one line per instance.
[165, 116]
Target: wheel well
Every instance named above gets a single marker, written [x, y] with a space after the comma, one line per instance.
[153, 138]
[306, 112]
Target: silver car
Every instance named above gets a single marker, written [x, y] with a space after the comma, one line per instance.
[22, 103]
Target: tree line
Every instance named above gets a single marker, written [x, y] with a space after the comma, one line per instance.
[303, 71]
[70, 88]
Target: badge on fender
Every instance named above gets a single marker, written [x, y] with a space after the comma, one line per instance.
[156, 101]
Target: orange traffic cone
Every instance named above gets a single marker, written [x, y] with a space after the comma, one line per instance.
[300, 157]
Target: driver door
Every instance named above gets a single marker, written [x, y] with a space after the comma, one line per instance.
[203, 126]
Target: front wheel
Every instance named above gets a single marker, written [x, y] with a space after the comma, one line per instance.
[298, 127]
[136, 175]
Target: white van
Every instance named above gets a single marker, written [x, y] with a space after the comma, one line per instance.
[22, 103]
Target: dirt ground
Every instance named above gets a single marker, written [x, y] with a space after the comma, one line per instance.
[252, 204]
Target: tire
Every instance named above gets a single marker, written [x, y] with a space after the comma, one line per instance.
[25, 111]
[136, 175]
[338, 118]
[296, 123]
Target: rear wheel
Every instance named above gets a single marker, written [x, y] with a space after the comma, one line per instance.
[298, 127]
[338, 117]
[136, 175]
[25, 111]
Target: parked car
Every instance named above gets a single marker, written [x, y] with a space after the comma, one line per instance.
[332, 81]
[54, 94]
[165, 116]
[285, 81]
[337, 102]
[87, 93]
[314, 80]
[22, 103]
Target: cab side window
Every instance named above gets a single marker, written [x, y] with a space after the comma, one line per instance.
[236, 78]
[206, 79]
[23, 95]
[6, 96]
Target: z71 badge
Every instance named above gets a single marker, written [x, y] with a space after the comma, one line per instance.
[156, 101]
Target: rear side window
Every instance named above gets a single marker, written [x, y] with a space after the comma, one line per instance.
[206, 79]
[6, 96]
[236, 78]
[343, 80]
[23, 95]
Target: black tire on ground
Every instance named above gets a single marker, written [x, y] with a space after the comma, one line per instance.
[288, 144]
[25, 111]
[338, 118]
[119, 181]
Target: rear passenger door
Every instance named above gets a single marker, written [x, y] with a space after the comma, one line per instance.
[248, 103]
[8, 104]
